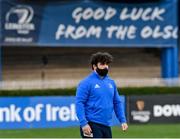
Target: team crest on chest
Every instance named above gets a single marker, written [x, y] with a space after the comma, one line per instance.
[110, 85]
[96, 86]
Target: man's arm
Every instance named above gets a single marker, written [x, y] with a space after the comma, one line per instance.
[81, 98]
[119, 110]
[118, 107]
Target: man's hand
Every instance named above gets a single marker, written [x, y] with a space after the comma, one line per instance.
[87, 129]
[124, 126]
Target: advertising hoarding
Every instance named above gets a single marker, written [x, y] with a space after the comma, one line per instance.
[154, 109]
[40, 112]
[89, 23]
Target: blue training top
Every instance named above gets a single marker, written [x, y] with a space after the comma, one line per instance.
[96, 98]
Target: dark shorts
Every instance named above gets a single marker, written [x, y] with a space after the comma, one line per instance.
[98, 131]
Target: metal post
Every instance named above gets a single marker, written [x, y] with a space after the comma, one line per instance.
[0, 65]
[0, 45]
[169, 62]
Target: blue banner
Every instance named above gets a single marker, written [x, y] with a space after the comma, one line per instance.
[39, 112]
[20, 22]
[90, 23]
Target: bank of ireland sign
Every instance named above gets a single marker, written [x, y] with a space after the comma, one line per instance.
[37, 112]
[40, 112]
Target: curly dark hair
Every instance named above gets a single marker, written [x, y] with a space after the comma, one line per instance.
[102, 57]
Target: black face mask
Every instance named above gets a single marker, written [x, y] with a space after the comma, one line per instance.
[102, 72]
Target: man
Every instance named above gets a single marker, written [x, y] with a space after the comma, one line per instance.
[96, 98]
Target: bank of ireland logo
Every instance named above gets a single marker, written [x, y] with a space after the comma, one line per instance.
[19, 18]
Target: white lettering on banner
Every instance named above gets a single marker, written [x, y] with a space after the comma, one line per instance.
[121, 32]
[30, 114]
[18, 39]
[64, 113]
[15, 113]
[22, 27]
[88, 13]
[73, 112]
[34, 113]
[10, 114]
[165, 33]
[77, 33]
[4, 114]
[166, 110]
[110, 12]
[142, 13]
[99, 14]
[134, 14]
[76, 15]
[145, 14]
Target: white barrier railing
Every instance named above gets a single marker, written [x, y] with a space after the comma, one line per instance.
[69, 83]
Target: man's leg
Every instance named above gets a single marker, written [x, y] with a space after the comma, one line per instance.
[107, 133]
[96, 131]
